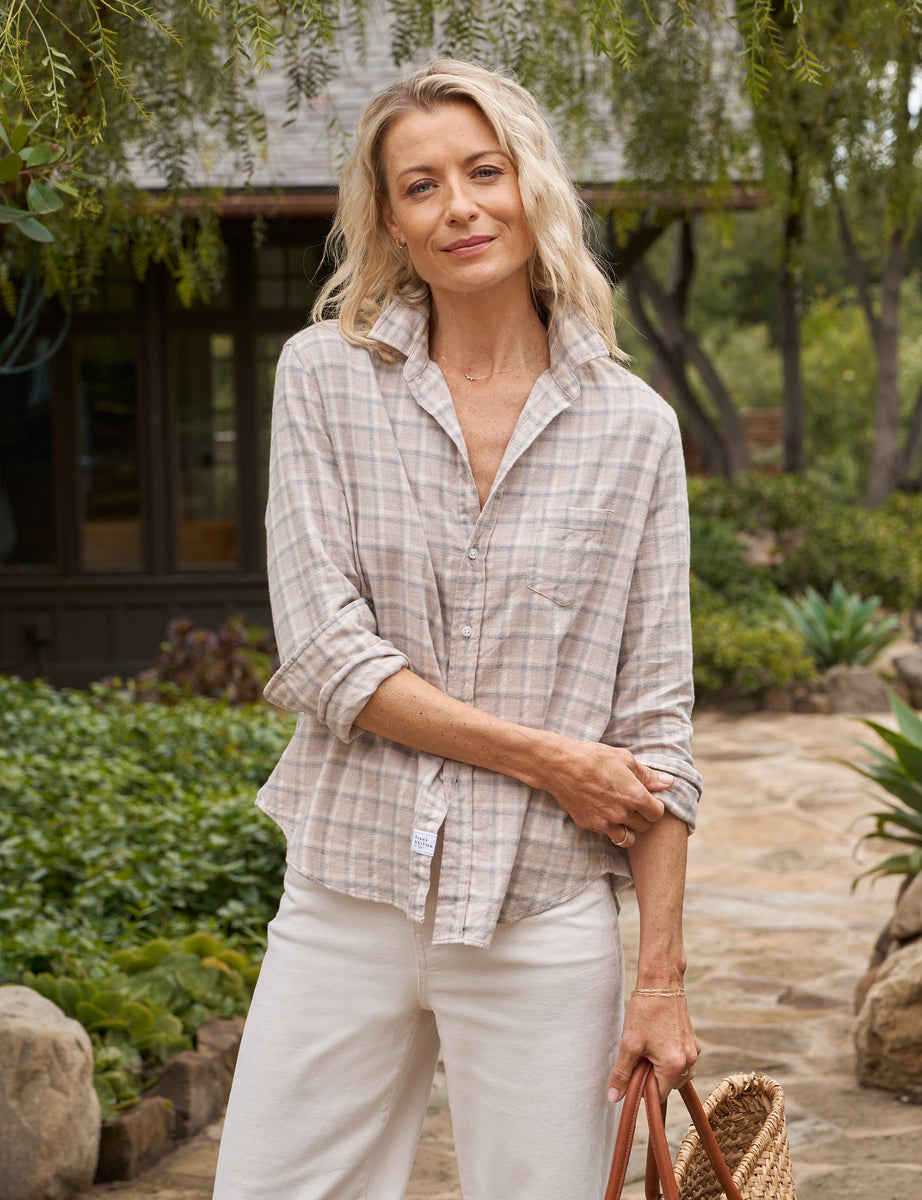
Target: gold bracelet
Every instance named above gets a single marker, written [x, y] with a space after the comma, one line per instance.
[658, 992]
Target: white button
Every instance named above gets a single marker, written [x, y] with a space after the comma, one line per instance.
[472, 553]
[466, 631]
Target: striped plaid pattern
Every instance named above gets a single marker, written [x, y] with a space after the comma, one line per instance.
[563, 604]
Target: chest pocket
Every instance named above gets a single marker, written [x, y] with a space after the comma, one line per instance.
[565, 551]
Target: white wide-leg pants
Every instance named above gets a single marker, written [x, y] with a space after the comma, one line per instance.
[343, 1035]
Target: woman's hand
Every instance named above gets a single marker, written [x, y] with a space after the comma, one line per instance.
[603, 788]
[660, 1029]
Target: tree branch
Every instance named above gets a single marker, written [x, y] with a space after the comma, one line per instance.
[704, 432]
[856, 267]
[678, 334]
[620, 256]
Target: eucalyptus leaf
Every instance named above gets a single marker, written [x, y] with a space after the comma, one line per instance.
[41, 154]
[19, 137]
[42, 199]
[35, 230]
[10, 166]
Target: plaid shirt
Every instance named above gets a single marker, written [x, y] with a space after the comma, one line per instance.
[563, 605]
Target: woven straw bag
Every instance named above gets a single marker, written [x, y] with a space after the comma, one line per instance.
[737, 1147]
[746, 1113]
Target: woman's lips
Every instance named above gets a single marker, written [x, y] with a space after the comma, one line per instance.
[465, 247]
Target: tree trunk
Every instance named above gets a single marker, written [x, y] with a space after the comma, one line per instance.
[887, 462]
[674, 331]
[790, 296]
[886, 459]
[620, 253]
[703, 431]
[721, 444]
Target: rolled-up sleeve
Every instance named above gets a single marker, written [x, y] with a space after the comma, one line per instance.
[654, 694]
[332, 657]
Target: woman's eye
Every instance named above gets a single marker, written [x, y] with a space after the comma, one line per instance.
[486, 172]
[419, 188]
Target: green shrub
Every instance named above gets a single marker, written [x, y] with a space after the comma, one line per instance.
[123, 821]
[845, 629]
[820, 537]
[873, 552]
[900, 774]
[147, 1005]
[718, 559]
[755, 502]
[744, 647]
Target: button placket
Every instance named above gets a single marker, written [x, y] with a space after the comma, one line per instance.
[467, 606]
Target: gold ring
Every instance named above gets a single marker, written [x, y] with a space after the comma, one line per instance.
[624, 839]
[682, 1074]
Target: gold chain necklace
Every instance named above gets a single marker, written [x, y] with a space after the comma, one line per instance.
[479, 378]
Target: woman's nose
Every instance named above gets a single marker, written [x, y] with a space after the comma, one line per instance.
[461, 205]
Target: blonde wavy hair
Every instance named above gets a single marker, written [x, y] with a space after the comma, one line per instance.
[369, 270]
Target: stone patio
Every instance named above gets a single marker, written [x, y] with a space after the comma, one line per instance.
[776, 941]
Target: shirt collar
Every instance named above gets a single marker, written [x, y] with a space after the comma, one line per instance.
[573, 341]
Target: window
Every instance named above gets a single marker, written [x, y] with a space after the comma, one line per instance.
[115, 290]
[109, 453]
[27, 486]
[141, 446]
[207, 448]
[285, 277]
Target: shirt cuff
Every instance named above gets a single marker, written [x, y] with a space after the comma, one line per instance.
[681, 798]
[336, 672]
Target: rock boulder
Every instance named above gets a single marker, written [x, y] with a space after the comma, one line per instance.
[909, 668]
[906, 925]
[855, 690]
[888, 1031]
[49, 1113]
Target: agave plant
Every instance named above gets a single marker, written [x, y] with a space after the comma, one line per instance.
[900, 774]
[845, 629]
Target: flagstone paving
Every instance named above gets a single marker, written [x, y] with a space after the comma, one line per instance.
[777, 940]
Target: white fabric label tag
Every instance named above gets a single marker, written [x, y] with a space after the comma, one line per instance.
[424, 843]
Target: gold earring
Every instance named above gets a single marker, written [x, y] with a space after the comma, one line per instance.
[401, 244]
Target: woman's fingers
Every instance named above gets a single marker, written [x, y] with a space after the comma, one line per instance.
[667, 1077]
[605, 789]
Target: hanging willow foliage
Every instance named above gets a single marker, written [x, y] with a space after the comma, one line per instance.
[87, 88]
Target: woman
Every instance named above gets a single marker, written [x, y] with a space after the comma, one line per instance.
[478, 565]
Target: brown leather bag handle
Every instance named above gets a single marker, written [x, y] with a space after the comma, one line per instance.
[659, 1172]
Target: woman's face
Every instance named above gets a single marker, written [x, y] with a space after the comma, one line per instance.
[453, 197]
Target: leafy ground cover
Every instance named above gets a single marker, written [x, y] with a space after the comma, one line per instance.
[123, 821]
[147, 1005]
